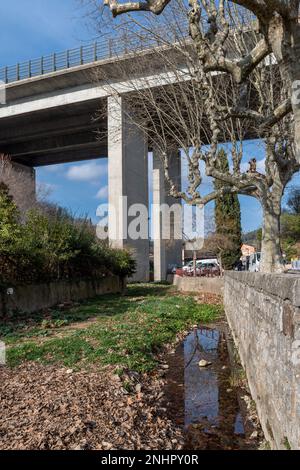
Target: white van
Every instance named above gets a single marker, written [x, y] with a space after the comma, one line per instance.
[201, 264]
[254, 262]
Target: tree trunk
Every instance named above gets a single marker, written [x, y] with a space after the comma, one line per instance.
[271, 261]
[293, 78]
[296, 110]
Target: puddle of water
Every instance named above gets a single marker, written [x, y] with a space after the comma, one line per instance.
[201, 398]
[201, 384]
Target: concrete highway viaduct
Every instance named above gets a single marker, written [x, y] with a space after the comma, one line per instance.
[49, 118]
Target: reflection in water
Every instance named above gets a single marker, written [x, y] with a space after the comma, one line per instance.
[212, 415]
[239, 425]
[201, 384]
[201, 399]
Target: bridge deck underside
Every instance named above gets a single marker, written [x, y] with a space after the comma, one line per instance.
[57, 135]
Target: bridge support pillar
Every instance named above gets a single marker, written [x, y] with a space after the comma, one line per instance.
[21, 183]
[167, 225]
[128, 186]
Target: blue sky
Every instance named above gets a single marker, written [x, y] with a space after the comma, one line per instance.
[31, 28]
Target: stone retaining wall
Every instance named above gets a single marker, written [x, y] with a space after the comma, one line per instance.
[33, 298]
[263, 311]
[211, 285]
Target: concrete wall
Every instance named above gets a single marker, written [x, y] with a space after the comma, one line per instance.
[167, 229]
[21, 183]
[127, 185]
[32, 298]
[211, 285]
[264, 314]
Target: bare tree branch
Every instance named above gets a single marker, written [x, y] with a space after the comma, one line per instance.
[154, 6]
[239, 65]
[282, 110]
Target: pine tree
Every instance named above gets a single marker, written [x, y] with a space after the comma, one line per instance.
[228, 219]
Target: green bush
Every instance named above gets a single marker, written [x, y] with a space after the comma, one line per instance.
[53, 245]
[290, 234]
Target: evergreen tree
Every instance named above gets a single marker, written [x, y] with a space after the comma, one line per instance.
[228, 218]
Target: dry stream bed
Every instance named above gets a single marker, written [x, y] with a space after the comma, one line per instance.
[59, 393]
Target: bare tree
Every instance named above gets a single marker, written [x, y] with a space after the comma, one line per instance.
[229, 79]
[277, 25]
[293, 202]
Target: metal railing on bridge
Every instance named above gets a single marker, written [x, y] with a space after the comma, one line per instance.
[87, 54]
[110, 47]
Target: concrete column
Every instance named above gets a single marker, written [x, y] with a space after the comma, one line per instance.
[167, 250]
[128, 186]
[21, 182]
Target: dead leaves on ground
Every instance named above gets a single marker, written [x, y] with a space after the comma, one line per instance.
[51, 408]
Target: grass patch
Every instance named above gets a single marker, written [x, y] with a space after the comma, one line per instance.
[127, 331]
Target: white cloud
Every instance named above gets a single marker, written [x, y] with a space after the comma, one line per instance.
[86, 172]
[102, 193]
[47, 186]
[55, 169]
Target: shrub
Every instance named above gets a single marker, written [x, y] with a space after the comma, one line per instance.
[53, 245]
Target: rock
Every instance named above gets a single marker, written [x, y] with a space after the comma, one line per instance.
[229, 390]
[69, 371]
[138, 388]
[204, 363]
[164, 366]
[116, 378]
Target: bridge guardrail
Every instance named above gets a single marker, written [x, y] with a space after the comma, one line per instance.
[87, 54]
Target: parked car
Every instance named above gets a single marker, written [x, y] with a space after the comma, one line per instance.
[296, 265]
[209, 267]
[254, 262]
[239, 266]
[172, 268]
[188, 266]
